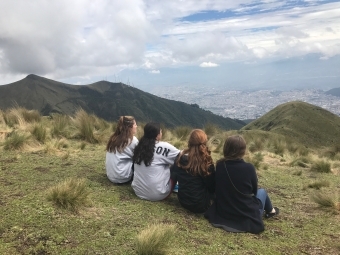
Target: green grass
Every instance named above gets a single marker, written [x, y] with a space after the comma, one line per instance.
[321, 166]
[111, 221]
[15, 141]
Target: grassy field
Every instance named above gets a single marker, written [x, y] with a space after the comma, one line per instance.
[112, 218]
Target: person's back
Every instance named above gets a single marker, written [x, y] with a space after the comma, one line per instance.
[152, 159]
[119, 151]
[194, 171]
[239, 204]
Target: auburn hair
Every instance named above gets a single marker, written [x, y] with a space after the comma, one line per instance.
[199, 159]
[122, 136]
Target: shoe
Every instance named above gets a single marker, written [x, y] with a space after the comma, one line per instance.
[269, 215]
[175, 188]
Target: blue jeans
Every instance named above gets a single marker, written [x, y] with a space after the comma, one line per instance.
[264, 198]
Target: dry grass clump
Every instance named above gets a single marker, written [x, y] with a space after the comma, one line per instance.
[301, 162]
[211, 129]
[84, 123]
[256, 159]
[60, 124]
[332, 152]
[39, 132]
[20, 116]
[326, 201]
[321, 166]
[15, 141]
[318, 184]
[155, 239]
[256, 145]
[182, 132]
[71, 194]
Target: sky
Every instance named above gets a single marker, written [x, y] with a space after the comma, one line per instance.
[232, 44]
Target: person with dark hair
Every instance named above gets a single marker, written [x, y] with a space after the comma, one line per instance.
[119, 151]
[152, 159]
[239, 204]
[195, 172]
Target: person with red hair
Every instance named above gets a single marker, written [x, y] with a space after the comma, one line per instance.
[195, 173]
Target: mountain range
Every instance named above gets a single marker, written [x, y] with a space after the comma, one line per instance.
[106, 100]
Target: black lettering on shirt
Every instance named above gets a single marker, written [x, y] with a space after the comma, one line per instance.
[159, 150]
[166, 152]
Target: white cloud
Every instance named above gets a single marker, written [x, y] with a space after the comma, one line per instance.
[82, 38]
[155, 71]
[208, 64]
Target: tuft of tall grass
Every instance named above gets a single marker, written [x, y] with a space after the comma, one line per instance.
[318, 184]
[301, 162]
[211, 129]
[256, 145]
[15, 141]
[278, 147]
[155, 239]
[85, 125]
[30, 115]
[39, 132]
[59, 125]
[332, 152]
[182, 132]
[325, 201]
[256, 159]
[321, 166]
[71, 194]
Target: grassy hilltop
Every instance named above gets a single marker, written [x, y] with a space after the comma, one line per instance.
[55, 197]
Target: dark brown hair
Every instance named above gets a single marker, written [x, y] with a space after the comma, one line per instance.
[234, 147]
[199, 158]
[122, 136]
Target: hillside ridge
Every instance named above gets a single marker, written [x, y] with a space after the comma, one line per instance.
[306, 123]
[106, 100]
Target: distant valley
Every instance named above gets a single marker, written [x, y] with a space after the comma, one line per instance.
[245, 105]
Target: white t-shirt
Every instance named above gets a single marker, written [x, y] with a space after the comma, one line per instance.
[153, 182]
[119, 165]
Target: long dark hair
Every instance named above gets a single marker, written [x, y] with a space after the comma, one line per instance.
[145, 148]
[122, 136]
[199, 158]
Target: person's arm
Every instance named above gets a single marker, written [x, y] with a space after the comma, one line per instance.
[253, 179]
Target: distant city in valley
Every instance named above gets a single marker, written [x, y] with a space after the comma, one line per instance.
[245, 105]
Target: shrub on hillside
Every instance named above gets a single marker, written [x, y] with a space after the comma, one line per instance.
[71, 194]
[332, 151]
[321, 166]
[14, 141]
[256, 159]
[278, 147]
[155, 239]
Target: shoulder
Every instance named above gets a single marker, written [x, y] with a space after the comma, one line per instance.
[166, 145]
[134, 139]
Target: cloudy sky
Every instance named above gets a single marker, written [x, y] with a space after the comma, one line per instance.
[246, 44]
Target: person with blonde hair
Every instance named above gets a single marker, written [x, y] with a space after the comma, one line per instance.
[195, 173]
[119, 151]
[152, 159]
[239, 204]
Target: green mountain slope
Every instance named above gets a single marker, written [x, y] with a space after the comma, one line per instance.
[302, 122]
[106, 100]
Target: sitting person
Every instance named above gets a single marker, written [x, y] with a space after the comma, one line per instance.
[119, 151]
[195, 172]
[152, 159]
[238, 205]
